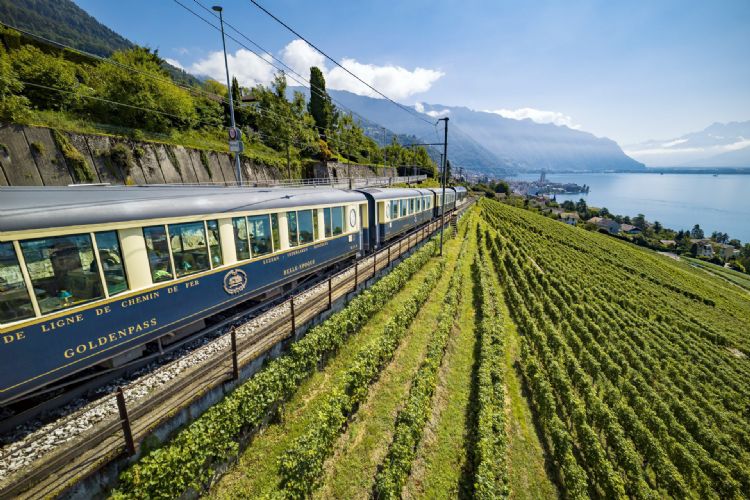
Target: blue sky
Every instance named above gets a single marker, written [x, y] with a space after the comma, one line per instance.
[631, 71]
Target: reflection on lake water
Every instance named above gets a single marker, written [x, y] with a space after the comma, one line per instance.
[678, 201]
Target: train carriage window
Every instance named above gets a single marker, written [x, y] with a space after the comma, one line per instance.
[394, 209]
[110, 257]
[240, 238]
[337, 214]
[189, 247]
[260, 234]
[411, 205]
[403, 208]
[214, 243]
[158, 253]
[327, 222]
[305, 222]
[63, 271]
[275, 232]
[291, 224]
[315, 223]
[15, 303]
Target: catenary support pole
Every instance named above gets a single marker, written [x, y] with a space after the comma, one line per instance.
[445, 172]
[229, 91]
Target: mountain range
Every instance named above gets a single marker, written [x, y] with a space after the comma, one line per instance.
[487, 143]
[719, 145]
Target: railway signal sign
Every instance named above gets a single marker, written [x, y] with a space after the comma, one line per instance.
[235, 140]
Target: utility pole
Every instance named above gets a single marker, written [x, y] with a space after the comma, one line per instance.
[233, 130]
[445, 171]
[385, 151]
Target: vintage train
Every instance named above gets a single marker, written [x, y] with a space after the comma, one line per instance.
[91, 274]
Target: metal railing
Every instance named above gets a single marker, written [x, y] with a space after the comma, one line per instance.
[333, 182]
[127, 427]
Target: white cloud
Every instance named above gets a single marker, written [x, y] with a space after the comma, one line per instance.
[299, 56]
[674, 143]
[182, 51]
[666, 149]
[174, 62]
[394, 81]
[419, 107]
[248, 68]
[741, 144]
[538, 116]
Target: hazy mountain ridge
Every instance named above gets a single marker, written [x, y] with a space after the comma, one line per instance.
[488, 143]
[718, 145]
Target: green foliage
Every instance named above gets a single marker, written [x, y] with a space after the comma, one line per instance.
[301, 466]
[187, 461]
[40, 68]
[412, 418]
[81, 170]
[635, 363]
[13, 106]
[64, 21]
[490, 467]
[320, 107]
[121, 85]
[37, 148]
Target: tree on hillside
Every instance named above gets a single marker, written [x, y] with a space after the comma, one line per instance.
[53, 72]
[282, 124]
[173, 105]
[502, 187]
[697, 232]
[320, 107]
[13, 107]
[657, 227]
[639, 221]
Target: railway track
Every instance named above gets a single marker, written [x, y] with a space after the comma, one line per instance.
[65, 452]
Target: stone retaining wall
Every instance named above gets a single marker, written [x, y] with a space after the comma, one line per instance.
[34, 156]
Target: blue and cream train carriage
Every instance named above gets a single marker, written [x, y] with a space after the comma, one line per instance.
[91, 274]
[395, 211]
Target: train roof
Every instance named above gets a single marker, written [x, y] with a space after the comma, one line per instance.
[24, 208]
[460, 188]
[390, 193]
[439, 190]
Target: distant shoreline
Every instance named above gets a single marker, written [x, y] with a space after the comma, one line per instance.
[649, 170]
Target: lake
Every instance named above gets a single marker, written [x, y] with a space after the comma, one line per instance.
[677, 201]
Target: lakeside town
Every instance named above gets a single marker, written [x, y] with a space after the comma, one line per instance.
[540, 196]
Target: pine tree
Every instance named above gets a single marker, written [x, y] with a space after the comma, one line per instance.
[320, 106]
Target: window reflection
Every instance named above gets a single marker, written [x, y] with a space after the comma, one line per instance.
[189, 247]
[240, 238]
[291, 223]
[337, 216]
[214, 243]
[260, 234]
[110, 257]
[305, 226]
[63, 271]
[157, 249]
[15, 303]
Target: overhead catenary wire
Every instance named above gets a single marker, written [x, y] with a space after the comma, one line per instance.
[334, 61]
[165, 79]
[296, 78]
[194, 90]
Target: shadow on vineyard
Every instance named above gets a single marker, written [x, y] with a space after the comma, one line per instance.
[532, 360]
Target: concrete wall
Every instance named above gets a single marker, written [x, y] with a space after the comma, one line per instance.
[335, 170]
[30, 156]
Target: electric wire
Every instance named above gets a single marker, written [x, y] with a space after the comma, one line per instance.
[407, 109]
